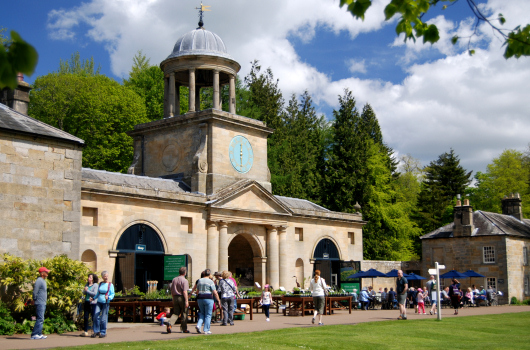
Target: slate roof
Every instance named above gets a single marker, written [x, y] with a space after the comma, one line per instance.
[488, 224]
[136, 181]
[296, 203]
[14, 121]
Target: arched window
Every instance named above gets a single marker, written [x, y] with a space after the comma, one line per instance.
[326, 249]
[140, 234]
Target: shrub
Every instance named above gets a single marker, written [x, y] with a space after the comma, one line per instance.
[7, 323]
[64, 284]
[279, 292]
[514, 301]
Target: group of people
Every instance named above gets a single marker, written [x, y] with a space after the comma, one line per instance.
[96, 299]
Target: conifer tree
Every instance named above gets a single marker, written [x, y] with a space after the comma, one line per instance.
[444, 179]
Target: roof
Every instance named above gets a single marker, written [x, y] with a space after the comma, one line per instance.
[200, 42]
[296, 203]
[15, 121]
[145, 182]
[488, 224]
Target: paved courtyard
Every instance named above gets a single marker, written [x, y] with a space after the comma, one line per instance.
[120, 332]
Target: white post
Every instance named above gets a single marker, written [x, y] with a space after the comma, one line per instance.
[439, 296]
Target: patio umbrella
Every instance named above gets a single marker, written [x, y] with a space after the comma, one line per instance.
[454, 274]
[359, 274]
[471, 273]
[373, 273]
[414, 277]
[393, 273]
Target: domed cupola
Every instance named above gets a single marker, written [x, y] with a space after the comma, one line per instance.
[199, 60]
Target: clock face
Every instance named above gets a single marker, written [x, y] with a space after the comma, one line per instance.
[241, 155]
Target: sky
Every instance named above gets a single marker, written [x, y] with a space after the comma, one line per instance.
[428, 98]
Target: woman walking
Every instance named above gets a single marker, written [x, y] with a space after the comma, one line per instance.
[228, 291]
[205, 297]
[101, 315]
[89, 306]
[455, 294]
[318, 286]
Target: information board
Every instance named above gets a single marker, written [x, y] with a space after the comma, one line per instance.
[172, 265]
[349, 287]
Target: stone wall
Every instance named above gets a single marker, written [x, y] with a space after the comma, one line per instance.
[517, 269]
[40, 186]
[466, 253]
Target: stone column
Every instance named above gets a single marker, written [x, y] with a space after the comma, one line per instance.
[212, 246]
[216, 89]
[260, 270]
[191, 98]
[285, 269]
[223, 246]
[177, 99]
[273, 258]
[171, 94]
[232, 90]
[166, 98]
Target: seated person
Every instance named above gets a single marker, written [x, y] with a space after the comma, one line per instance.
[468, 297]
[384, 298]
[354, 295]
[480, 296]
[392, 298]
[490, 294]
[365, 299]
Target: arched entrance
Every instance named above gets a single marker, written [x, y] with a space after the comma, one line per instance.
[140, 258]
[243, 252]
[327, 260]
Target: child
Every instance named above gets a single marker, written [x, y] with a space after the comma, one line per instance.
[421, 303]
[163, 316]
[265, 300]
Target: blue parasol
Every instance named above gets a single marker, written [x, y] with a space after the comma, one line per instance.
[454, 274]
[414, 277]
[471, 273]
[393, 273]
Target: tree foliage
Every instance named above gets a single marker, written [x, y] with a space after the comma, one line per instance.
[444, 179]
[507, 174]
[16, 56]
[412, 25]
[78, 66]
[94, 108]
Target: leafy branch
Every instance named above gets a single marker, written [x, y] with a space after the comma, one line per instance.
[517, 41]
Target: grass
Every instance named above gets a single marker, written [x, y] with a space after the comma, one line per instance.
[504, 331]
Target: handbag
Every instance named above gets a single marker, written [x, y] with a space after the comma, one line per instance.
[326, 293]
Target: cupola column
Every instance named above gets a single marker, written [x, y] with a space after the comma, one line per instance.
[216, 96]
[171, 94]
[166, 97]
[232, 102]
[177, 99]
[191, 105]
[197, 99]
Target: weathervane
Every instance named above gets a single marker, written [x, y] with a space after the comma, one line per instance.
[202, 9]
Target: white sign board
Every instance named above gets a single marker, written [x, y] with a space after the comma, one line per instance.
[433, 272]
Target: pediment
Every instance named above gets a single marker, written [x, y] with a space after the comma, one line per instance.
[253, 198]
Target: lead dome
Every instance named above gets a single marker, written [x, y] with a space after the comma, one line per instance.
[200, 42]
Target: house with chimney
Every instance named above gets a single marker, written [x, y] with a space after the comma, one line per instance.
[494, 245]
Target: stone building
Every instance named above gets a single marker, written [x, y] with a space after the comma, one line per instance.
[40, 183]
[494, 245]
[199, 186]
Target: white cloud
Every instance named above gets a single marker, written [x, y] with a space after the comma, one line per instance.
[355, 66]
[476, 105]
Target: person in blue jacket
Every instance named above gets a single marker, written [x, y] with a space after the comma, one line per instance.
[101, 315]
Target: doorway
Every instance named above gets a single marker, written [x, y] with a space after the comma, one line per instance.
[327, 260]
[140, 258]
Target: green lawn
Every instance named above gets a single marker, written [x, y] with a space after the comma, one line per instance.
[506, 331]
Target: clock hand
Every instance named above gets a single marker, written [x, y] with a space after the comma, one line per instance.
[241, 155]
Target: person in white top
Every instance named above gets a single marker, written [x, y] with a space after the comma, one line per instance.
[318, 285]
[265, 300]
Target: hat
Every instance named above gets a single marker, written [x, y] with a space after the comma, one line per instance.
[217, 273]
[420, 290]
[43, 269]
[266, 286]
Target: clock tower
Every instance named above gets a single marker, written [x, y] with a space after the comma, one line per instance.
[204, 150]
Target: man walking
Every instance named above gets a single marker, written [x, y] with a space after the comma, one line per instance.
[179, 291]
[40, 296]
[402, 286]
[433, 294]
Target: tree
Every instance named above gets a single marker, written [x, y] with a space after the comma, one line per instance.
[506, 174]
[444, 179]
[77, 66]
[411, 24]
[148, 82]
[94, 108]
[16, 56]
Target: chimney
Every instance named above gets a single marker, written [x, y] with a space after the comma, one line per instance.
[511, 205]
[463, 219]
[17, 99]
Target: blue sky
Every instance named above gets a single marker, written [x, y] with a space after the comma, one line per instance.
[428, 98]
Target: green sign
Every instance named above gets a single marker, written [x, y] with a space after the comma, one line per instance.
[349, 287]
[172, 265]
